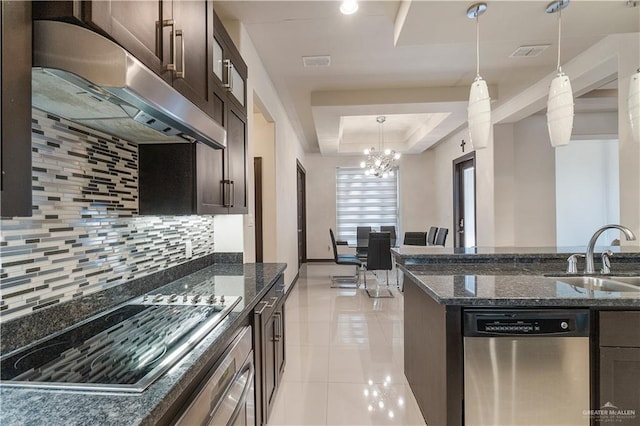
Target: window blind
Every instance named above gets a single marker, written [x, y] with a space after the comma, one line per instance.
[364, 201]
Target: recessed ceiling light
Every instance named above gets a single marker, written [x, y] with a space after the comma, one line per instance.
[349, 7]
[316, 61]
[528, 51]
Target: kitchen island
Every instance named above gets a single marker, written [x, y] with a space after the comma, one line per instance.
[441, 286]
[158, 403]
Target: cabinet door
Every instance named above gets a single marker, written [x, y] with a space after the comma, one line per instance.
[166, 176]
[135, 25]
[15, 108]
[191, 61]
[237, 161]
[280, 343]
[271, 372]
[228, 68]
[209, 179]
[619, 382]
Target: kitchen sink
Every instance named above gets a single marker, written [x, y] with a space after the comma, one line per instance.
[628, 280]
[616, 284]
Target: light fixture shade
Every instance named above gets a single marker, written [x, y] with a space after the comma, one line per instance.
[479, 114]
[634, 105]
[560, 110]
[349, 7]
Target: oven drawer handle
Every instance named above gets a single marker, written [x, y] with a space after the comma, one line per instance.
[274, 300]
[216, 417]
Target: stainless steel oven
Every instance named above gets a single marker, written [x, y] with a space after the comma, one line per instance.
[226, 396]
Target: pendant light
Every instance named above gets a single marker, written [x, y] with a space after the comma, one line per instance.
[380, 163]
[634, 105]
[479, 110]
[560, 102]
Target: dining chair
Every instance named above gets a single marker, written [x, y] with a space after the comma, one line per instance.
[392, 233]
[362, 234]
[431, 235]
[415, 239]
[394, 243]
[441, 237]
[379, 259]
[349, 281]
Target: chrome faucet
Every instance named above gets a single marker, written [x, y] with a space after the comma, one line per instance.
[589, 267]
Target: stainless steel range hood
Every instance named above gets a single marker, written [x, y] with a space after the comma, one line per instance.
[86, 78]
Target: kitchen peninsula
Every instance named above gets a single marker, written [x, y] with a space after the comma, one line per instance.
[445, 287]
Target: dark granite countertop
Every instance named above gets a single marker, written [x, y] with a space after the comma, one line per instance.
[477, 254]
[515, 291]
[28, 406]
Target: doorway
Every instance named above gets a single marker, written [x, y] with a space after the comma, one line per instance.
[464, 200]
[302, 213]
[257, 184]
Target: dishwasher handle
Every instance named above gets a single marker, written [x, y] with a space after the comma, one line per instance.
[525, 323]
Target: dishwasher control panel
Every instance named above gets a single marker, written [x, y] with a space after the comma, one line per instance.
[526, 322]
[526, 326]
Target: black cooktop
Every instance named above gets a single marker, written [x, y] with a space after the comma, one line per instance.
[125, 350]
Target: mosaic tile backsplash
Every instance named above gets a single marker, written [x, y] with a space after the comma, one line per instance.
[85, 234]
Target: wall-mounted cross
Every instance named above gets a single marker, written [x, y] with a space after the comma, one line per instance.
[462, 144]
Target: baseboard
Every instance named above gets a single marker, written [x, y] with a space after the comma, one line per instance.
[320, 260]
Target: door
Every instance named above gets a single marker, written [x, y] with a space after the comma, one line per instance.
[257, 184]
[464, 201]
[302, 214]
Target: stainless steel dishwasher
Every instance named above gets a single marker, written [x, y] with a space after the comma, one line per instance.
[526, 367]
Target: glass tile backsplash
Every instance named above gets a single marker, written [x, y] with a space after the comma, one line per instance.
[85, 234]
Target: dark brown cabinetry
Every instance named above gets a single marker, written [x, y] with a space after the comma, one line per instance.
[169, 37]
[229, 70]
[433, 356]
[269, 349]
[228, 82]
[15, 108]
[178, 179]
[619, 341]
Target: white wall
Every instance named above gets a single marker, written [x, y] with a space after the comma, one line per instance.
[288, 149]
[504, 184]
[225, 235]
[534, 180]
[587, 191]
[417, 207]
[264, 146]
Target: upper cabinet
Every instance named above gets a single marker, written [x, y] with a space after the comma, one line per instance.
[15, 108]
[169, 37]
[185, 43]
[229, 70]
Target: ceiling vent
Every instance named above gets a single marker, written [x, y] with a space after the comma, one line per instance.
[529, 51]
[316, 61]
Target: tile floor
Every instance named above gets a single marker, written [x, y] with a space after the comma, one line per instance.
[344, 356]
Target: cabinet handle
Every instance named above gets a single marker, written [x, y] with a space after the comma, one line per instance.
[232, 193]
[278, 328]
[274, 300]
[171, 66]
[182, 72]
[229, 84]
[261, 309]
[226, 193]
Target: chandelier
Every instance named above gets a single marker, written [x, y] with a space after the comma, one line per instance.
[379, 163]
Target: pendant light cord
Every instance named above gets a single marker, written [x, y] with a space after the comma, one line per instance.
[477, 45]
[559, 68]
